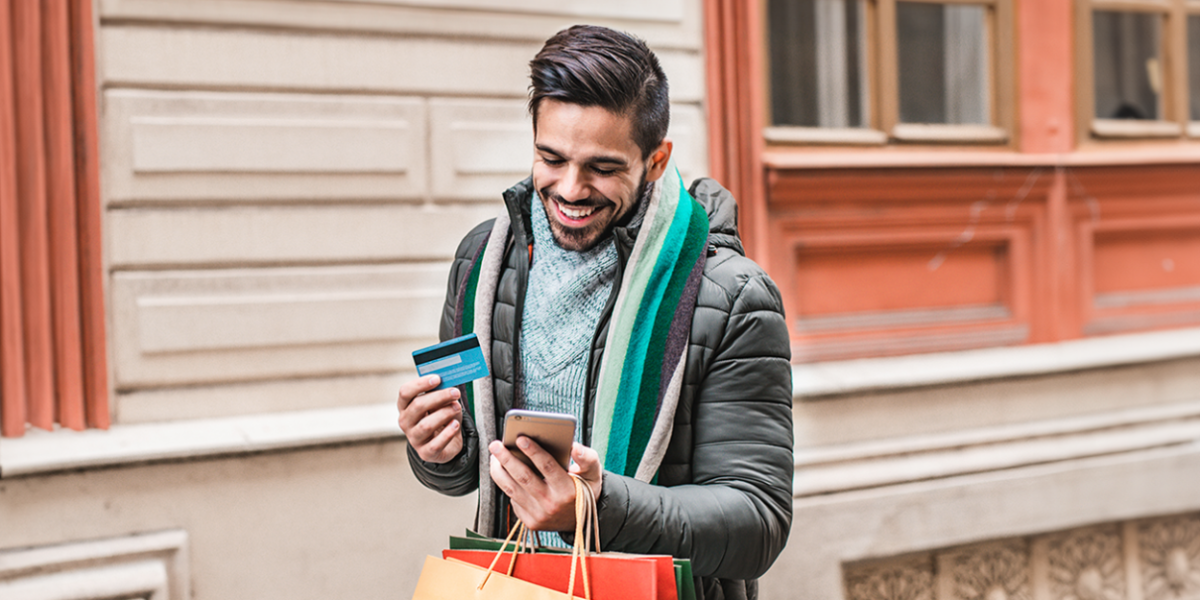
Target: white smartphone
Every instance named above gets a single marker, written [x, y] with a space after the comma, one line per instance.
[555, 432]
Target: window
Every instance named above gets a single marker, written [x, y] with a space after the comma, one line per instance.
[870, 71]
[1139, 71]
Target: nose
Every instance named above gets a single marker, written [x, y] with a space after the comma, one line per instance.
[573, 185]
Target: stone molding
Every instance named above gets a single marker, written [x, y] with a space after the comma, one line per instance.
[836, 378]
[41, 452]
[823, 470]
[152, 566]
[1150, 559]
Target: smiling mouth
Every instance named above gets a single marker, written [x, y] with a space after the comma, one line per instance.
[575, 214]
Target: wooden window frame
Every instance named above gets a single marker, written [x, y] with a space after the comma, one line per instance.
[883, 89]
[1192, 128]
[1175, 122]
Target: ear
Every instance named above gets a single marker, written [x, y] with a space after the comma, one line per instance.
[658, 160]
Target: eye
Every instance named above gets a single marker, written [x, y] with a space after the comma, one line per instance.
[603, 171]
[554, 162]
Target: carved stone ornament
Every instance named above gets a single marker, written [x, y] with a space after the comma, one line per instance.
[1170, 552]
[1087, 565]
[909, 580]
[996, 572]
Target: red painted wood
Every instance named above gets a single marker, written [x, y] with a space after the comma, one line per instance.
[12, 343]
[1027, 250]
[32, 209]
[873, 262]
[753, 108]
[714, 55]
[736, 114]
[60, 192]
[1061, 316]
[1045, 75]
[87, 186]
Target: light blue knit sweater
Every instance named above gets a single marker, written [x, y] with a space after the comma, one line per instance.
[563, 303]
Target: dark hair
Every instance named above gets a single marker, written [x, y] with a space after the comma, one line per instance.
[597, 66]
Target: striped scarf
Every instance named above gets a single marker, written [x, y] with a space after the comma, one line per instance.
[641, 373]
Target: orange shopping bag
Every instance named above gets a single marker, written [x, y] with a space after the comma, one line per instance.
[450, 579]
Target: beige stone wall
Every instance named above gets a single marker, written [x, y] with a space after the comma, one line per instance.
[1056, 472]
[285, 181]
[317, 524]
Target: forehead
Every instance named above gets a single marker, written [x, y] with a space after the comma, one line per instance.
[577, 131]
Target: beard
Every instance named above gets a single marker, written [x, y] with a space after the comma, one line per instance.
[582, 239]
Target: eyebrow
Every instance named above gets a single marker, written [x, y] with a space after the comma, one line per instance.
[602, 159]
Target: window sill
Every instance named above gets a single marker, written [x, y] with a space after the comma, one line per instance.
[1094, 154]
[1129, 129]
[51, 451]
[816, 380]
[823, 135]
[949, 134]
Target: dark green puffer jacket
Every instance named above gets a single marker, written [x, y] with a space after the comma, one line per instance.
[724, 493]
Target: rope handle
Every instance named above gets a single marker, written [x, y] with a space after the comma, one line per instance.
[586, 522]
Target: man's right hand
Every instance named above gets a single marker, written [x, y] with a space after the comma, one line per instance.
[431, 420]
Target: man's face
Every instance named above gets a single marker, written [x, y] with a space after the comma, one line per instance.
[588, 170]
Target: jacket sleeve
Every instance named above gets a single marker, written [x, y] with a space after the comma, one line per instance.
[733, 519]
[460, 475]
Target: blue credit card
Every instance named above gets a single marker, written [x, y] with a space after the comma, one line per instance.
[456, 361]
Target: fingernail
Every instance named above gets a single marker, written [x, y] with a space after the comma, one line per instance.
[454, 393]
[453, 425]
[434, 379]
[523, 442]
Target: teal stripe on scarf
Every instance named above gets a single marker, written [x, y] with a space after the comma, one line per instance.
[467, 318]
[651, 391]
[647, 339]
[641, 376]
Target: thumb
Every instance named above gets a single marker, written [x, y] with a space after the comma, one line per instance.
[586, 459]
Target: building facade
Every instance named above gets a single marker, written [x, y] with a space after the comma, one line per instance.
[982, 214]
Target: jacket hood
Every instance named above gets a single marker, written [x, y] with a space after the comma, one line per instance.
[721, 207]
[717, 201]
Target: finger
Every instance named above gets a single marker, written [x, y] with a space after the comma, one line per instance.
[517, 470]
[524, 504]
[503, 480]
[542, 460]
[428, 403]
[428, 427]
[587, 460]
[415, 387]
[438, 446]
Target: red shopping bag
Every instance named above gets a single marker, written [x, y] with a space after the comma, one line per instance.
[600, 576]
[612, 577]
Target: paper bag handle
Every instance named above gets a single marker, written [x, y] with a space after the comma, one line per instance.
[586, 522]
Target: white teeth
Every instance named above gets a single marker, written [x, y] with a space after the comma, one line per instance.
[576, 213]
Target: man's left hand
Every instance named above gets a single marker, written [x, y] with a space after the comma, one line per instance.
[543, 502]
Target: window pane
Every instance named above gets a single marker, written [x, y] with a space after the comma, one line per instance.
[1194, 65]
[943, 59]
[1128, 70]
[817, 68]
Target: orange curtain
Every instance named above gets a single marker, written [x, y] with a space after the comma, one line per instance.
[52, 352]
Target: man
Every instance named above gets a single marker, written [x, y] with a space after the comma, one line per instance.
[605, 291]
